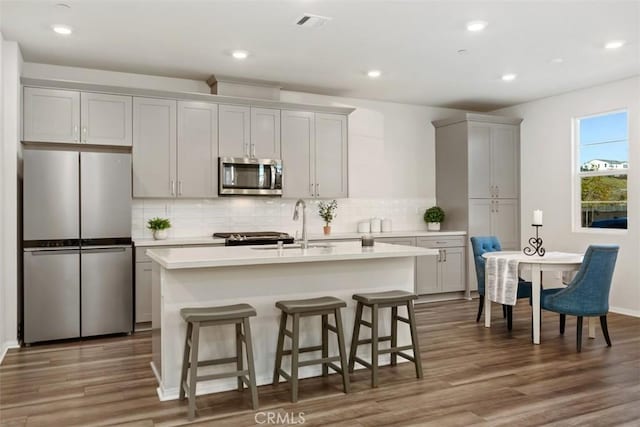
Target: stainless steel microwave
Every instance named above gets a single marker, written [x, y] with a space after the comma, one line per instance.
[250, 177]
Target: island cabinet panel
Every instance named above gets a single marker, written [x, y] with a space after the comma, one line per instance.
[234, 131]
[51, 115]
[154, 147]
[197, 155]
[105, 119]
[66, 116]
[444, 273]
[298, 138]
[265, 133]
[314, 145]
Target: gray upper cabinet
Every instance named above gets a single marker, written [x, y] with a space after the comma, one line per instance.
[493, 165]
[64, 116]
[234, 134]
[105, 119]
[51, 115]
[331, 155]
[154, 147]
[314, 154]
[298, 136]
[197, 154]
[265, 133]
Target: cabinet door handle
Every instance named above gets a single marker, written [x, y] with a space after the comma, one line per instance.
[311, 193]
[179, 188]
[317, 190]
[172, 187]
[253, 151]
[84, 134]
[497, 191]
[75, 133]
[439, 255]
[444, 252]
[497, 206]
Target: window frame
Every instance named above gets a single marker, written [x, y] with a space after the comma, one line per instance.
[577, 175]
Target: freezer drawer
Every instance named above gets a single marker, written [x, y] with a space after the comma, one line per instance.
[51, 195]
[51, 295]
[107, 290]
[105, 209]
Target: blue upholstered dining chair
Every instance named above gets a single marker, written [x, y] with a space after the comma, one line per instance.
[484, 244]
[588, 293]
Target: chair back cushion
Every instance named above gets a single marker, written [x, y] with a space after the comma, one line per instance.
[481, 245]
[588, 292]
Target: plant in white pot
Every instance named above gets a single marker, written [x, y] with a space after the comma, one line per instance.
[159, 227]
[433, 217]
[327, 211]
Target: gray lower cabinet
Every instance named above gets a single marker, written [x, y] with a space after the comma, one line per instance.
[444, 273]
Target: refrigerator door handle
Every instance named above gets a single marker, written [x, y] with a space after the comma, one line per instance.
[104, 250]
[40, 252]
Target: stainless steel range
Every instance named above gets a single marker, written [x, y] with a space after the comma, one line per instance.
[248, 238]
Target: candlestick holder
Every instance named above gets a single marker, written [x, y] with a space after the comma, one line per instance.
[535, 243]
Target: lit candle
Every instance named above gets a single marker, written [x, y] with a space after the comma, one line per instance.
[537, 217]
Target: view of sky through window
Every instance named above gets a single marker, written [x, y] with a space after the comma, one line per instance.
[604, 138]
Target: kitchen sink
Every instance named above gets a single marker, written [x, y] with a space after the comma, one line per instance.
[288, 247]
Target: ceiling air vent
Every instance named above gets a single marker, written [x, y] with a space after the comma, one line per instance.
[312, 21]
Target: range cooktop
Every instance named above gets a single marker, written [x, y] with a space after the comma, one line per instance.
[247, 238]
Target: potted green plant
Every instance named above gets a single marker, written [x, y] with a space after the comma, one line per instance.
[327, 211]
[433, 217]
[159, 227]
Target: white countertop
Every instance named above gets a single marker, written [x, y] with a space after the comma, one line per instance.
[208, 240]
[205, 257]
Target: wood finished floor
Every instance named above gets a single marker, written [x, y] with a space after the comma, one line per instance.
[473, 376]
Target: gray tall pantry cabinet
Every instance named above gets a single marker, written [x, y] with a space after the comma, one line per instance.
[478, 178]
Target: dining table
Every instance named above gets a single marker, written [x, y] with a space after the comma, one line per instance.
[535, 265]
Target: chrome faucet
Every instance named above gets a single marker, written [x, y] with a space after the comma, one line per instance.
[296, 214]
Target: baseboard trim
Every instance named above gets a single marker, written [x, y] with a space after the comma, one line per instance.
[625, 311]
[6, 346]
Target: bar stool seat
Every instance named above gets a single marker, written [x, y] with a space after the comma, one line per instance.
[387, 297]
[198, 317]
[310, 304]
[375, 301]
[206, 314]
[323, 306]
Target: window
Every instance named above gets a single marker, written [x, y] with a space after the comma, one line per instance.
[602, 145]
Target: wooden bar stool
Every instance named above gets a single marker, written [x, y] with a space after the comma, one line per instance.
[214, 316]
[376, 301]
[323, 306]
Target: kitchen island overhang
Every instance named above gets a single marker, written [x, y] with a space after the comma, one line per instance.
[260, 276]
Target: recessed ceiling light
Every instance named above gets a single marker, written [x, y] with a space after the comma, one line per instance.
[476, 25]
[509, 77]
[374, 74]
[614, 44]
[240, 54]
[557, 61]
[64, 30]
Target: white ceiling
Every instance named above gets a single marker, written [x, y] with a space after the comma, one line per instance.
[414, 43]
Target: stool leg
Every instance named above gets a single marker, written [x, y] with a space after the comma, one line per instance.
[239, 356]
[414, 339]
[342, 350]
[394, 334]
[185, 360]
[250, 363]
[280, 349]
[294, 357]
[193, 369]
[355, 337]
[325, 343]
[374, 345]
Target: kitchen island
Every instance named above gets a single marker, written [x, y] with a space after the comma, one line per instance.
[260, 276]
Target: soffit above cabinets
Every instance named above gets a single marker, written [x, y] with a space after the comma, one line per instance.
[188, 96]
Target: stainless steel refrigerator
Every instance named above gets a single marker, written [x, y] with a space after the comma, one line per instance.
[78, 275]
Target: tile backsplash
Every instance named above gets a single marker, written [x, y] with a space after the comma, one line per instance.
[197, 218]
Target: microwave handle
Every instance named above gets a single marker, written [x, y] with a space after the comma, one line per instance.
[273, 177]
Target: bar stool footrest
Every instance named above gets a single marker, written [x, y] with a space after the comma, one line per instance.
[406, 356]
[395, 350]
[362, 362]
[303, 350]
[318, 361]
[222, 375]
[368, 340]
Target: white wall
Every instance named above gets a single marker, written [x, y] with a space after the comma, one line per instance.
[547, 178]
[11, 62]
